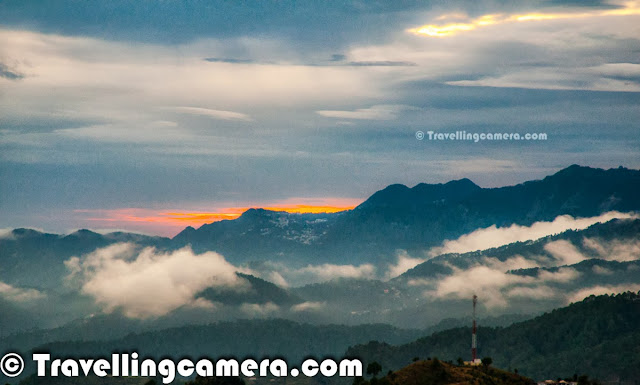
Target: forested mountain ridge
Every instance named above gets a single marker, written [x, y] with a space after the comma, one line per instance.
[598, 336]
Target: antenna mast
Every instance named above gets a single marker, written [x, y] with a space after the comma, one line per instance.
[474, 347]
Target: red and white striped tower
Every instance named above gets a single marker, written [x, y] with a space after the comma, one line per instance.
[474, 347]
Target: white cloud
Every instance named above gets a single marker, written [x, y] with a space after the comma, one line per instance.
[380, 112]
[286, 276]
[481, 280]
[404, 262]
[6, 233]
[615, 250]
[618, 69]
[216, 114]
[259, 310]
[563, 274]
[601, 270]
[149, 283]
[493, 236]
[514, 263]
[202, 303]
[328, 271]
[309, 306]
[135, 80]
[553, 79]
[276, 278]
[564, 252]
[490, 280]
[17, 294]
[539, 292]
[600, 290]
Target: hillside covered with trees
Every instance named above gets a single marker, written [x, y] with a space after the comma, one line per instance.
[598, 336]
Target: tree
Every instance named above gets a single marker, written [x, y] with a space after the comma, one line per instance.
[487, 361]
[583, 380]
[374, 368]
[460, 361]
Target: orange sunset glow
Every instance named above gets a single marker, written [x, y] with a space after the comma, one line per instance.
[169, 222]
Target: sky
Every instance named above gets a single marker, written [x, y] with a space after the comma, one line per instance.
[153, 115]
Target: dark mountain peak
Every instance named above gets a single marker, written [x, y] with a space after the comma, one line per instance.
[465, 183]
[121, 236]
[257, 214]
[259, 291]
[393, 190]
[187, 232]
[186, 236]
[422, 193]
[391, 193]
[25, 233]
[576, 171]
[576, 167]
[455, 189]
[396, 187]
[84, 233]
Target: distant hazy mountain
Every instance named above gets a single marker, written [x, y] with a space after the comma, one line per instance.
[259, 292]
[407, 300]
[400, 301]
[35, 259]
[598, 336]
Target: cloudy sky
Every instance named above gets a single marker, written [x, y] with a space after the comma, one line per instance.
[150, 115]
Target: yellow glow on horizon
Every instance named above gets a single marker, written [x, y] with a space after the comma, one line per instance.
[235, 212]
[307, 209]
[450, 29]
[178, 219]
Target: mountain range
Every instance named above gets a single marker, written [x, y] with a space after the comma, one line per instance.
[397, 217]
[413, 219]
[402, 264]
[534, 275]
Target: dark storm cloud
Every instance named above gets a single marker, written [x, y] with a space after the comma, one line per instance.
[322, 22]
[318, 23]
[582, 3]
